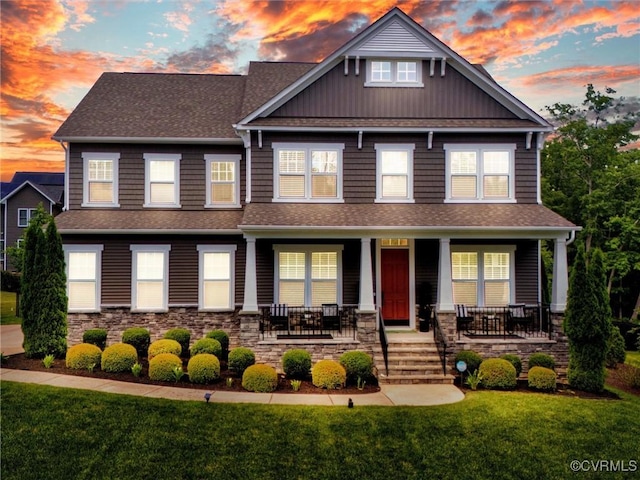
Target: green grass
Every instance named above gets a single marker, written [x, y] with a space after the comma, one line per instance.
[633, 358]
[8, 309]
[52, 433]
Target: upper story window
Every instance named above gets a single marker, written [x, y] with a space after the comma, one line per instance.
[307, 172]
[394, 73]
[24, 216]
[223, 180]
[150, 277]
[480, 172]
[83, 277]
[100, 179]
[162, 180]
[394, 172]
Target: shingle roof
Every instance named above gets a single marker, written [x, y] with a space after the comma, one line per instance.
[50, 184]
[148, 220]
[445, 215]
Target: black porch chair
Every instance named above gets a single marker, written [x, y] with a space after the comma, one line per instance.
[331, 317]
[519, 316]
[463, 319]
[279, 316]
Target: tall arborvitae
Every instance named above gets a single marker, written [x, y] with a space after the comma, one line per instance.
[31, 287]
[587, 322]
[55, 292]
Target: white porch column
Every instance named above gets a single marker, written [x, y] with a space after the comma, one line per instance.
[560, 283]
[366, 277]
[250, 278]
[445, 286]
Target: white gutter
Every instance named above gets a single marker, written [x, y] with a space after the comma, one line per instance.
[394, 129]
[246, 140]
[119, 231]
[184, 140]
[66, 175]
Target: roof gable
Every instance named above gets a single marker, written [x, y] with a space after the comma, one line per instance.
[46, 192]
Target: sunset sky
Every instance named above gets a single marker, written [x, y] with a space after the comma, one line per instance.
[54, 50]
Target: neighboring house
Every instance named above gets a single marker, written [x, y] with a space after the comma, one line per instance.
[392, 174]
[20, 198]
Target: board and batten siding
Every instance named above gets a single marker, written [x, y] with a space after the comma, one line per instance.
[345, 96]
[131, 180]
[183, 264]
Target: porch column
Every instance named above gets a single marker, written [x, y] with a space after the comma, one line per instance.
[445, 286]
[560, 283]
[250, 281]
[366, 277]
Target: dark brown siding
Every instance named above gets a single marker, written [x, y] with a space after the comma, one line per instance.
[527, 268]
[131, 172]
[183, 264]
[359, 165]
[337, 95]
[427, 254]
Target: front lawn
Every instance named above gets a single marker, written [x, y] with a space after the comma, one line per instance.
[633, 358]
[52, 433]
[8, 309]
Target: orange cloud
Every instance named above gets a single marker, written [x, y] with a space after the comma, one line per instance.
[581, 75]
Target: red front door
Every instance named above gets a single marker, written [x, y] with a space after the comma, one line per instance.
[395, 285]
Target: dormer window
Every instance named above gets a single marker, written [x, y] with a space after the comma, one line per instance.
[394, 73]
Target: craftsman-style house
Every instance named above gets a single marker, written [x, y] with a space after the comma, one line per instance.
[315, 204]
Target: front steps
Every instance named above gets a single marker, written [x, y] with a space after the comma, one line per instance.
[413, 359]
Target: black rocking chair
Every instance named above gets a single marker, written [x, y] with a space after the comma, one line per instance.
[463, 319]
[279, 316]
[331, 317]
[519, 316]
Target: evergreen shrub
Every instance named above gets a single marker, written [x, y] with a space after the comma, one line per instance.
[83, 356]
[182, 336]
[260, 378]
[165, 345]
[161, 367]
[296, 364]
[203, 368]
[119, 357]
[498, 374]
[541, 378]
[139, 337]
[95, 336]
[240, 358]
[357, 364]
[207, 345]
[328, 374]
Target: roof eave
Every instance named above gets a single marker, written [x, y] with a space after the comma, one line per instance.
[147, 231]
[395, 129]
[164, 140]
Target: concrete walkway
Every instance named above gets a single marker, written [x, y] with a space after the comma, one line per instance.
[389, 395]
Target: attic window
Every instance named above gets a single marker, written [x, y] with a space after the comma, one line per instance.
[394, 73]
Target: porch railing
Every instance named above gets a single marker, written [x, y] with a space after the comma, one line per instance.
[525, 320]
[384, 342]
[440, 339]
[307, 322]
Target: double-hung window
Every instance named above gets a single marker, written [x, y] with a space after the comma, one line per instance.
[223, 180]
[308, 172]
[394, 73]
[308, 275]
[83, 277]
[217, 279]
[483, 276]
[394, 167]
[150, 277]
[100, 185]
[480, 172]
[24, 216]
[162, 180]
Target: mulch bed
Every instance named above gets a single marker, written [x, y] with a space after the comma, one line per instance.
[21, 362]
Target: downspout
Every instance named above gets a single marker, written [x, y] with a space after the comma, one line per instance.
[246, 140]
[572, 237]
[541, 139]
[66, 175]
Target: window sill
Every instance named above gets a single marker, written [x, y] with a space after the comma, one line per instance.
[394, 85]
[100, 205]
[308, 200]
[84, 311]
[223, 206]
[476, 200]
[393, 200]
[161, 205]
[217, 310]
[160, 310]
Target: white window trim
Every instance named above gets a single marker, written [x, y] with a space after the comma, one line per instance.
[481, 250]
[165, 249]
[307, 147]
[479, 149]
[30, 212]
[394, 73]
[231, 250]
[381, 147]
[175, 157]
[307, 250]
[97, 249]
[211, 158]
[86, 157]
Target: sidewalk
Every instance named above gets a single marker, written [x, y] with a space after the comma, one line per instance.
[389, 395]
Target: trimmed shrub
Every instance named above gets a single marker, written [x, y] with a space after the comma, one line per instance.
[83, 356]
[515, 361]
[95, 336]
[182, 336]
[541, 378]
[240, 358]
[542, 360]
[296, 363]
[260, 378]
[162, 365]
[207, 345]
[119, 357]
[165, 345]
[328, 374]
[357, 364]
[203, 368]
[498, 373]
[223, 338]
[471, 358]
[615, 348]
[139, 337]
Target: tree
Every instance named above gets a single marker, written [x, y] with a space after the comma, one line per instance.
[587, 322]
[44, 298]
[587, 179]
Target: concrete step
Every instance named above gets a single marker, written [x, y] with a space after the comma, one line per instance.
[416, 379]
